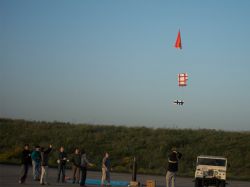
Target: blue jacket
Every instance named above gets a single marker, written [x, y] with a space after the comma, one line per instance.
[36, 156]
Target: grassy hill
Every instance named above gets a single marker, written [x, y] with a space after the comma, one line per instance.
[150, 146]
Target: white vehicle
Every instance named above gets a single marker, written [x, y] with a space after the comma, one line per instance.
[210, 170]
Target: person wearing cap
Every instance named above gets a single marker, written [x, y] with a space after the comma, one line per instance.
[173, 159]
[25, 162]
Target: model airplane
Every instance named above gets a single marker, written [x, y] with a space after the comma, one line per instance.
[179, 102]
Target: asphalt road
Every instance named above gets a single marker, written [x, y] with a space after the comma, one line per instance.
[9, 178]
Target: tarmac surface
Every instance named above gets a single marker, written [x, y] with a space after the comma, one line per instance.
[9, 178]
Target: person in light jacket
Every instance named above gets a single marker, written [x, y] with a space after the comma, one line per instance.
[106, 168]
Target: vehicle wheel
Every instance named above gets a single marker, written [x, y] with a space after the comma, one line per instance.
[222, 184]
[217, 183]
[198, 183]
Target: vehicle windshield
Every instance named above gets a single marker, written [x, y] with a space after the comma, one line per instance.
[211, 162]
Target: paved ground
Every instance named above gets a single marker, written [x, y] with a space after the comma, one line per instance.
[9, 178]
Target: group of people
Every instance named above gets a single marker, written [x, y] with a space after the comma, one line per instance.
[39, 158]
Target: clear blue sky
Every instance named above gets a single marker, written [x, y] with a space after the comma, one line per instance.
[113, 62]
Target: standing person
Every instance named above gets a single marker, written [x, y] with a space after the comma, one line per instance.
[84, 165]
[106, 168]
[25, 162]
[173, 159]
[36, 163]
[33, 162]
[76, 161]
[44, 164]
[62, 160]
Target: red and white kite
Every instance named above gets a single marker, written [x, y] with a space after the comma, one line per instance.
[182, 79]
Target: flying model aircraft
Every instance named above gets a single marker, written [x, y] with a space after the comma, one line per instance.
[179, 102]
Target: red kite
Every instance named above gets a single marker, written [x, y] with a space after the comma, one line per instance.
[178, 41]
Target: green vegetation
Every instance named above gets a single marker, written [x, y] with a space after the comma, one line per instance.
[150, 146]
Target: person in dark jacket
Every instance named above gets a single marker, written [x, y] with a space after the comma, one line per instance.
[25, 162]
[76, 164]
[44, 164]
[62, 160]
[173, 159]
[84, 164]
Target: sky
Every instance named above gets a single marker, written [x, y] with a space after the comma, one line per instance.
[114, 62]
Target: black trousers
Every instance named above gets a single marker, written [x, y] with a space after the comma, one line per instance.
[61, 170]
[83, 175]
[23, 172]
